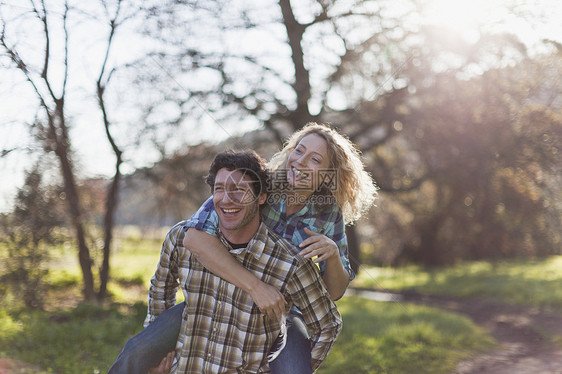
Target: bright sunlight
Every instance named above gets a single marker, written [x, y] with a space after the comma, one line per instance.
[468, 18]
[460, 15]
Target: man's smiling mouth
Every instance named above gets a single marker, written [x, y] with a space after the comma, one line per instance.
[230, 211]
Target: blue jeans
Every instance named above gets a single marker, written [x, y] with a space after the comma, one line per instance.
[148, 347]
[295, 358]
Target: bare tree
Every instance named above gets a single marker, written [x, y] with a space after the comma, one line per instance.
[52, 128]
[113, 189]
[49, 80]
[355, 64]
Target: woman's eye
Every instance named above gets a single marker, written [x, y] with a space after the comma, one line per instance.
[297, 150]
[316, 160]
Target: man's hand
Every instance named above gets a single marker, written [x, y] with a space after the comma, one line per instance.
[269, 300]
[165, 365]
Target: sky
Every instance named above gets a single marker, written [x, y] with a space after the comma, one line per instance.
[17, 100]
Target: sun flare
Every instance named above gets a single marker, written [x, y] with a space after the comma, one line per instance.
[459, 15]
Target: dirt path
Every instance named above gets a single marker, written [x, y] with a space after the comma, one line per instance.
[9, 366]
[522, 333]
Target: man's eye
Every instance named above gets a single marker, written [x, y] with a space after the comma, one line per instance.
[316, 160]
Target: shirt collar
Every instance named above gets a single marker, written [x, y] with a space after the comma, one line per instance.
[255, 246]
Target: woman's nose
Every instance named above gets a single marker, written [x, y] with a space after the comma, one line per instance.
[301, 160]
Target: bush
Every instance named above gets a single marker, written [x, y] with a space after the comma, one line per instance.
[25, 239]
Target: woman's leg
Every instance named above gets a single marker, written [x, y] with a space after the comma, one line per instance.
[295, 358]
[148, 347]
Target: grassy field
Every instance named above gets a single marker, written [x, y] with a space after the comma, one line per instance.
[533, 283]
[70, 337]
[377, 338]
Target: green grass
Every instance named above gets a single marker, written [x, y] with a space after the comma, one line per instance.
[377, 338]
[73, 337]
[397, 338]
[534, 283]
[85, 339]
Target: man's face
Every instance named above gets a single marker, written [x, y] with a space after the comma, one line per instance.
[235, 201]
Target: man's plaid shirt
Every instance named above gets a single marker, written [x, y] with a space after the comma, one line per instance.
[223, 331]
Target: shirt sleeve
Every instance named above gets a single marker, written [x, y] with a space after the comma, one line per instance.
[335, 230]
[309, 295]
[164, 283]
[205, 219]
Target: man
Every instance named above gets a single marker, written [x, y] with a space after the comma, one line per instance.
[222, 330]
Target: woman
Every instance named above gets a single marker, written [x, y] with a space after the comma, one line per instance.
[319, 185]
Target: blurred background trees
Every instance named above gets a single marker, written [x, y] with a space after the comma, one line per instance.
[26, 236]
[462, 131]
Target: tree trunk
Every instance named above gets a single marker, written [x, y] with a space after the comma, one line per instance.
[113, 190]
[295, 31]
[353, 248]
[59, 136]
[110, 208]
[430, 254]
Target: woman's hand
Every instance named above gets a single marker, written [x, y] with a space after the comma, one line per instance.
[318, 245]
[165, 365]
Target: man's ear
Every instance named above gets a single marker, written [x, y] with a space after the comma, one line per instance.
[262, 198]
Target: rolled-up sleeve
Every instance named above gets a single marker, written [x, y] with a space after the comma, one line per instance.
[205, 219]
[335, 230]
[164, 283]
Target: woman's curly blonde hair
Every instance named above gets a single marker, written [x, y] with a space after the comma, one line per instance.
[355, 190]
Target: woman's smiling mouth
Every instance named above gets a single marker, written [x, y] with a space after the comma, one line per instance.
[298, 173]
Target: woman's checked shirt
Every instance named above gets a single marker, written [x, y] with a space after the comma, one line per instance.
[327, 220]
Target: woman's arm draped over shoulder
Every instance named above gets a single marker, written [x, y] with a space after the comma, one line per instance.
[214, 256]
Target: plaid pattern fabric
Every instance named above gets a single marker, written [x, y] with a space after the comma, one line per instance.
[327, 221]
[223, 331]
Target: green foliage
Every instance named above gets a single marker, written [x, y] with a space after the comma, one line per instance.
[63, 279]
[26, 237]
[486, 154]
[83, 340]
[522, 282]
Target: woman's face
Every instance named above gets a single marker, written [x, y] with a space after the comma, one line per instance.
[306, 161]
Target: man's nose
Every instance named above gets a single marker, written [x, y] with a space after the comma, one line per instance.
[226, 197]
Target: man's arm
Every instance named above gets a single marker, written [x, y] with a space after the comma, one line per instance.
[164, 283]
[320, 314]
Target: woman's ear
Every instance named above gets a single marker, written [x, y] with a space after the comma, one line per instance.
[262, 198]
